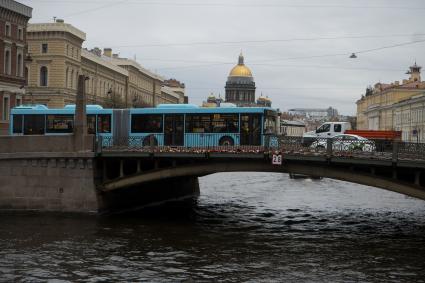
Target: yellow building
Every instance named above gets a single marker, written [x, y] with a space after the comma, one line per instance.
[58, 59]
[54, 49]
[144, 87]
[375, 109]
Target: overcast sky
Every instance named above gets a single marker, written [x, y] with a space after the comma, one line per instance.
[286, 43]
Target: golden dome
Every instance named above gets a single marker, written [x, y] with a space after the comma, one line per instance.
[240, 70]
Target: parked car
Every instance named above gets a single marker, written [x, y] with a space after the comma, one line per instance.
[346, 142]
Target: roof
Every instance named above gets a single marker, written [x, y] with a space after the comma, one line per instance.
[16, 7]
[128, 62]
[292, 123]
[57, 26]
[169, 91]
[102, 61]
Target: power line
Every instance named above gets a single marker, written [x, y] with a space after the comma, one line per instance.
[265, 40]
[299, 57]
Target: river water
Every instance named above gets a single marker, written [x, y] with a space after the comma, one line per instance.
[245, 227]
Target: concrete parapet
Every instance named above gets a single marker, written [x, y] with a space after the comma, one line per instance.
[41, 144]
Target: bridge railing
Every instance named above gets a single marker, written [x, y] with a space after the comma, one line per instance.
[325, 147]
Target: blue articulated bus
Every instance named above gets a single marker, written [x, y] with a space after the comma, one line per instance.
[166, 125]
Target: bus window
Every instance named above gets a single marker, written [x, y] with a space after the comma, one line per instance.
[104, 123]
[250, 132]
[146, 123]
[270, 124]
[59, 124]
[34, 124]
[17, 124]
[91, 124]
[198, 123]
[225, 123]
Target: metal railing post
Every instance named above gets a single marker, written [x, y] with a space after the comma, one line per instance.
[266, 142]
[329, 142]
[99, 144]
[395, 151]
[151, 143]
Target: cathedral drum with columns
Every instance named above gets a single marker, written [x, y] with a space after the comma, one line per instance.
[240, 85]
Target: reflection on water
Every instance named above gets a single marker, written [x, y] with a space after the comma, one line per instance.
[251, 227]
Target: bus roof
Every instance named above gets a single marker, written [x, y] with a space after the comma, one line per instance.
[160, 109]
[68, 109]
[197, 109]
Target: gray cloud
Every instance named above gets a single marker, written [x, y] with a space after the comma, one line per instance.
[290, 83]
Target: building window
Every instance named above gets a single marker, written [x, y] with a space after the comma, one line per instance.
[66, 77]
[20, 34]
[43, 76]
[7, 62]
[18, 101]
[8, 29]
[19, 66]
[27, 76]
[44, 48]
[72, 79]
[6, 108]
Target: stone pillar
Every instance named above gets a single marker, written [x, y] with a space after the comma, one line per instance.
[80, 120]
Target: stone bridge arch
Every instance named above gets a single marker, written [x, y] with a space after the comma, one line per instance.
[376, 177]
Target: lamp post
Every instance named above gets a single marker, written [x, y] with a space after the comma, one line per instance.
[109, 95]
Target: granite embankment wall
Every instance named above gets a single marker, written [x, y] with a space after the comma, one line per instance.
[46, 173]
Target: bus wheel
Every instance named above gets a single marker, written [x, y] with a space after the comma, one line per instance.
[150, 141]
[226, 141]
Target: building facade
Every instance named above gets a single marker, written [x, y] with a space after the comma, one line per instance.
[375, 109]
[14, 18]
[169, 96]
[314, 113]
[292, 128]
[409, 118]
[144, 87]
[177, 87]
[58, 60]
[55, 49]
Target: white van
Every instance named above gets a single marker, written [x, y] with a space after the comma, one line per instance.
[328, 130]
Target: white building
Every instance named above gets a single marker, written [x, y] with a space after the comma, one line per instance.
[292, 128]
[409, 118]
[314, 113]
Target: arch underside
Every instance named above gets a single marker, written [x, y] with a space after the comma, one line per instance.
[199, 170]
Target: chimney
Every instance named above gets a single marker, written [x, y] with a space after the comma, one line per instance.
[107, 52]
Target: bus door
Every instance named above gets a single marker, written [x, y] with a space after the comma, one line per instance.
[174, 130]
[250, 129]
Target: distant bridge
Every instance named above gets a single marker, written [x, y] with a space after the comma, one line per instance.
[393, 166]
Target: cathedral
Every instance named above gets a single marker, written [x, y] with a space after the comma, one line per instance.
[240, 87]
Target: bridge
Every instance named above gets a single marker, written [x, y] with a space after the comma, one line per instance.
[85, 173]
[128, 165]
